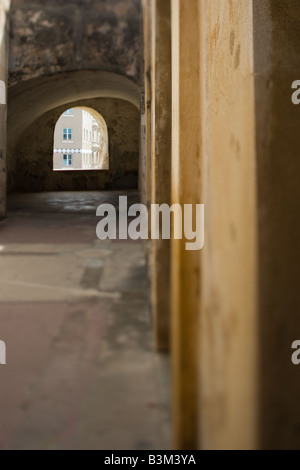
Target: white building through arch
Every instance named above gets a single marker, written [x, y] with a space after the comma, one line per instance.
[80, 141]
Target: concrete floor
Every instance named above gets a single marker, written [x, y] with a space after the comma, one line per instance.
[74, 313]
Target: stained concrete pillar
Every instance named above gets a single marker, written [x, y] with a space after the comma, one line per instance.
[228, 367]
[4, 7]
[186, 189]
[250, 294]
[145, 166]
[161, 162]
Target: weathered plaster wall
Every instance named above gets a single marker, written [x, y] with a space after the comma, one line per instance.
[54, 36]
[31, 169]
[228, 328]
[4, 6]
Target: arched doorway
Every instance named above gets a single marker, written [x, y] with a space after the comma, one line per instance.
[80, 141]
[35, 107]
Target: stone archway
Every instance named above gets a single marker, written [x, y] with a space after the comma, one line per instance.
[39, 102]
[33, 98]
[92, 152]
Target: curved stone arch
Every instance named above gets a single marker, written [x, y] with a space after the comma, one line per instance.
[31, 99]
[103, 157]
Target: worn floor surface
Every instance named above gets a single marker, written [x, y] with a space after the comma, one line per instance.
[74, 314]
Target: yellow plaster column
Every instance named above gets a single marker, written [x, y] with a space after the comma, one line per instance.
[186, 189]
[228, 367]
[161, 163]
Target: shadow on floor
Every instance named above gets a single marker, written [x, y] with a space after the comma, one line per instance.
[74, 313]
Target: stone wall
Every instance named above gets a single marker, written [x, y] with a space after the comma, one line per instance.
[54, 36]
[64, 53]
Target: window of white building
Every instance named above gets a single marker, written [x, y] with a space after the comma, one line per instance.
[67, 160]
[67, 134]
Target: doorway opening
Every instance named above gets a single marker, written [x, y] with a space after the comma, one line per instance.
[80, 141]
